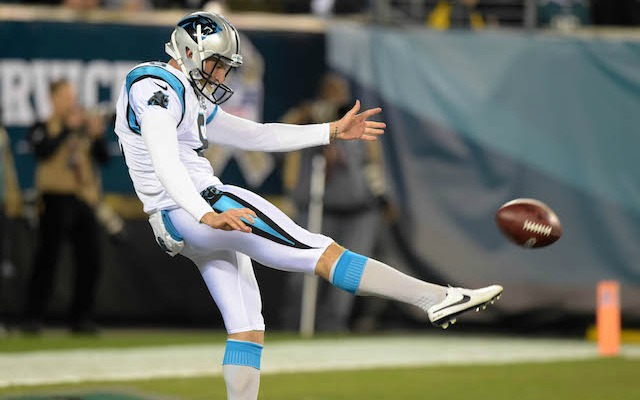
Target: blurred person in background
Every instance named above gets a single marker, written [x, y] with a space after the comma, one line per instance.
[561, 14]
[452, 14]
[82, 6]
[66, 146]
[354, 193]
[324, 8]
[167, 115]
[10, 208]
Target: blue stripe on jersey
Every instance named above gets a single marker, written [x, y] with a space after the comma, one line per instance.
[226, 203]
[213, 114]
[152, 71]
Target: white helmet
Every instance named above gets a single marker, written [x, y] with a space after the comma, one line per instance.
[207, 36]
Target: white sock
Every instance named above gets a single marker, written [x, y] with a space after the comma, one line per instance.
[365, 276]
[241, 369]
[243, 383]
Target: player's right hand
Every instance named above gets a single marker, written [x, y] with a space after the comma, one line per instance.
[354, 126]
[237, 219]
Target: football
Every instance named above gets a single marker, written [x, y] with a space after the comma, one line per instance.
[529, 223]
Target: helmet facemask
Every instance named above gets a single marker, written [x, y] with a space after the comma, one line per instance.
[202, 37]
[205, 83]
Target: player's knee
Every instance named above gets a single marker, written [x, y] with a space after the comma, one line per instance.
[249, 336]
[328, 259]
[341, 267]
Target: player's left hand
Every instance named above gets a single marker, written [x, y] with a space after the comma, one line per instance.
[355, 126]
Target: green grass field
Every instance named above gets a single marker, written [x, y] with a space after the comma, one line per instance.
[125, 338]
[606, 379]
[592, 379]
[61, 340]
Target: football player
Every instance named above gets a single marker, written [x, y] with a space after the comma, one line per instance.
[167, 114]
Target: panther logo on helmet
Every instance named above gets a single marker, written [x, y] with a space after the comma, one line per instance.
[190, 24]
[206, 36]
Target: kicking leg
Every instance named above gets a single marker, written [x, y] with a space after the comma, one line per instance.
[278, 242]
[365, 276]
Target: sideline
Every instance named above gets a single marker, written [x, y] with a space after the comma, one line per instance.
[73, 366]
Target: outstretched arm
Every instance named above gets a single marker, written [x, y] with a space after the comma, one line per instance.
[228, 130]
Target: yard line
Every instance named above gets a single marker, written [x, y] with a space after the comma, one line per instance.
[73, 366]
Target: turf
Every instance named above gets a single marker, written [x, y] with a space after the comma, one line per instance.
[61, 340]
[599, 379]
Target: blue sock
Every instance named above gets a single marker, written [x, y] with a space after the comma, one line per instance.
[368, 277]
[348, 270]
[239, 352]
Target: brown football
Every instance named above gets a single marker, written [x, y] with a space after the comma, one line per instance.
[529, 223]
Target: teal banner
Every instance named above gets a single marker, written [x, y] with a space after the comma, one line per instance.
[477, 119]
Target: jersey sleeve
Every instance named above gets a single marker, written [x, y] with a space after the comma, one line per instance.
[153, 88]
[228, 130]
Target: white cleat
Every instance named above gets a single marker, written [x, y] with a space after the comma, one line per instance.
[459, 300]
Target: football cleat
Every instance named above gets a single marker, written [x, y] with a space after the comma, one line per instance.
[460, 300]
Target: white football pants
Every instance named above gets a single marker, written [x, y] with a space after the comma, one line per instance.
[224, 257]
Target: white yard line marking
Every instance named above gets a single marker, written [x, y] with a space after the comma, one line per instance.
[72, 366]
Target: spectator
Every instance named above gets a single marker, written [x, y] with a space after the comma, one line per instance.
[10, 207]
[563, 13]
[353, 189]
[456, 14]
[324, 8]
[65, 146]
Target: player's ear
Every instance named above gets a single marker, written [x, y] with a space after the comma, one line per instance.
[188, 52]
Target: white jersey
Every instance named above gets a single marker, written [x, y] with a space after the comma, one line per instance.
[157, 85]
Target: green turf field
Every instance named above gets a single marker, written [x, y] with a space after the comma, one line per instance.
[62, 340]
[605, 379]
[592, 378]
[126, 338]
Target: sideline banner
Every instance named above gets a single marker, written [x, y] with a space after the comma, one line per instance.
[477, 119]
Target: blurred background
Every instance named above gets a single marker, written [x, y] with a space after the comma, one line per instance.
[485, 101]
